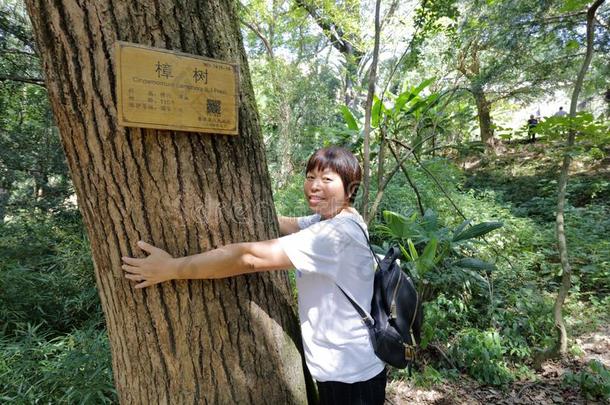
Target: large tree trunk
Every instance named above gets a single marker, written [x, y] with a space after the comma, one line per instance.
[232, 341]
[484, 115]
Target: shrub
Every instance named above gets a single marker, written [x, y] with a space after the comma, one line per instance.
[73, 368]
[481, 354]
[594, 381]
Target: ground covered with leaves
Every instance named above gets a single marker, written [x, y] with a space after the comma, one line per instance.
[559, 382]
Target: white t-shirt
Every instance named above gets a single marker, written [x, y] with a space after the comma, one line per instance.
[336, 341]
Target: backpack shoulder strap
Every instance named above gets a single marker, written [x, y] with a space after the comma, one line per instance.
[366, 318]
[368, 242]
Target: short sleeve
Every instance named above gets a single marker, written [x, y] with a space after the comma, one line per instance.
[309, 220]
[316, 248]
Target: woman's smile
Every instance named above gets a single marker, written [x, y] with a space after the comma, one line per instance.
[325, 192]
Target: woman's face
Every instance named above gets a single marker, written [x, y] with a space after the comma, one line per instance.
[325, 193]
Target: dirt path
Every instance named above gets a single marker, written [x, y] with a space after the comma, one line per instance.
[545, 389]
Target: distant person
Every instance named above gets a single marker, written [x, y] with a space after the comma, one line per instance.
[532, 123]
[560, 113]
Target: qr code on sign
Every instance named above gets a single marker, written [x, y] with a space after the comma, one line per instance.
[214, 107]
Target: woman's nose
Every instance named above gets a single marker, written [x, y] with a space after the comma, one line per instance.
[315, 184]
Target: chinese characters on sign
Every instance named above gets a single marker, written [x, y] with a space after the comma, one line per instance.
[163, 89]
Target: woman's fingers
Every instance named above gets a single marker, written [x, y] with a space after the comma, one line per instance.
[149, 270]
[134, 277]
[145, 284]
[132, 261]
[150, 249]
[131, 269]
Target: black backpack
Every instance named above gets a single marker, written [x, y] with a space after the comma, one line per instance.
[396, 316]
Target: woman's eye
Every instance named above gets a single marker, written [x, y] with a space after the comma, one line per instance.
[327, 179]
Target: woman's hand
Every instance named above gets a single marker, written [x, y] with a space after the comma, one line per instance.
[156, 268]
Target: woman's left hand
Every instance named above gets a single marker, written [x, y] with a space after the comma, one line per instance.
[156, 268]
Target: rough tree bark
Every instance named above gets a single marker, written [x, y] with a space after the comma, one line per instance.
[226, 341]
[484, 116]
[469, 64]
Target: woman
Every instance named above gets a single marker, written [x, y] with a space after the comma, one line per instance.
[328, 250]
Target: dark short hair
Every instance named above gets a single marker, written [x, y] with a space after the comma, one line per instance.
[341, 161]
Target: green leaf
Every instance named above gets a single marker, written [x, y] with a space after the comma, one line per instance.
[400, 226]
[475, 275]
[412, 249]
[573, 5]
[376, 112]
[405, 253]
[429, 252]
[349, 118]
[461, 227]
[423, 85]
[418, 105]
[473, 263]
[410, 94]
[402, 99]
[477, 230]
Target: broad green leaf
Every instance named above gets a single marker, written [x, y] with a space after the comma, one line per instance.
[477, 230]
[423, 85]
[402, 99]
[410, 94]
[432, 100]
[461, 227]
[476, 264]
[349, 118]
[400, 226]
[418, 105]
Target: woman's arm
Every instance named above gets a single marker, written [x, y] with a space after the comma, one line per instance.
[288, 225]
[227, 261]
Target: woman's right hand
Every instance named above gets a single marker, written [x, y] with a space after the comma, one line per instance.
[157, 267]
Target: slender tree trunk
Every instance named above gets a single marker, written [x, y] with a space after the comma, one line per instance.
[232, 341]
[562, 345]
[351, 75]
[285, 141]
[366, 179]
[284, 147]
[484, 116]
[4, 193]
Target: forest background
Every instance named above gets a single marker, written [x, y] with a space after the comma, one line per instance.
[436, 106]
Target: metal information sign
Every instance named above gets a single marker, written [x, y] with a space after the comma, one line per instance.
[162, 89]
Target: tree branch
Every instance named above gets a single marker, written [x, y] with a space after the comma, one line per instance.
[29, 80]
[336, 35]
[259, 34]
